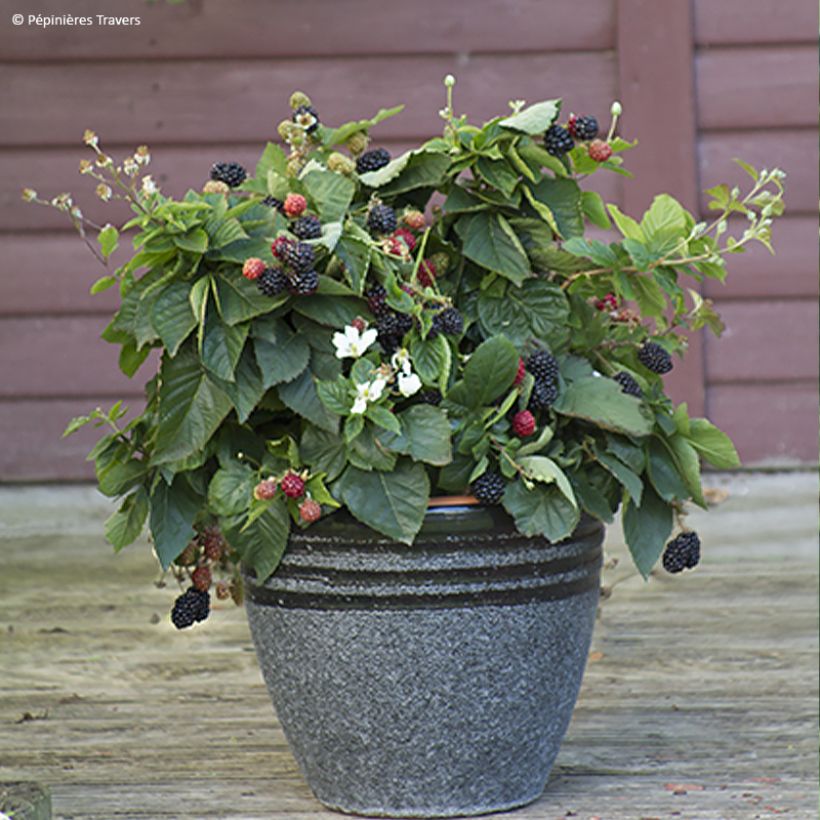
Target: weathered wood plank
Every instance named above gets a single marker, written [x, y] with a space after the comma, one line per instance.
[658, 95]
[293, 28]
[794, 151]
[62, 357]
[707, 679]
[733, 82]
[771, 340]
[769, 423]
[754, 21]
[33, 447]
[196, 101]
[792, 271]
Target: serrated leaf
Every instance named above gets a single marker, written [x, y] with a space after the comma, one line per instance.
[173, 510]
[262, 542]
[425, 435]
[222, 346]
[194, 240]
[330, 193]
[344, 132]
[713, 444]
[103, 283]
[626, 224]
[489, 241]
[563, 198]
[543, 510]
[172, 316]
[323, 452]
[393, 503]
[600, 401]
[280, 353]
[594, 207]
[125, 525]
[545, 470]
[646, 529]
[663, 473]
[191, 407]
[665, 219]
[626, 477]
[534, 119]
[300, 396]
[108, 238]
[431, 359]
[247, 388]
[231, 490]
[488, 373]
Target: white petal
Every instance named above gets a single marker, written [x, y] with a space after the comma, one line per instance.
[359, 406]
[368, 337]
[409, 384]
[376, 389]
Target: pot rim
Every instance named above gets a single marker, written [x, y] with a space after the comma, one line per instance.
[452, 501]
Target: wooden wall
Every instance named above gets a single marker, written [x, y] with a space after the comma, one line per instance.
[208, 80]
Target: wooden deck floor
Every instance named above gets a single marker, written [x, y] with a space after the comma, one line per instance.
[700, 698]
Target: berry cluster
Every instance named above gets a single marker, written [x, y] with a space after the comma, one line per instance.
[449, 321]
[293, 487]
[682, 552]
[544, 368]
[488, 487]
[298, 275]
[559, 140]
[231, 173]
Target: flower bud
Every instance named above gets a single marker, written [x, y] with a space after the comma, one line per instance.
[215, 186]
[449, 81]
[616, 109]
[299, 99]
[357, 143]
[340, 163]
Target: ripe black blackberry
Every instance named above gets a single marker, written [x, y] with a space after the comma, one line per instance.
[307, 227]
[544, 393]
[450, 322]
[653, 357]
[377, 300]
[272, 281]
[682, 552]
[231, 173]
[558, 140]
[388, 325]
[307, 117]
[586, 128]
[382, 220]
[488, 487]
[429, 397]
[628, 384]
[193, 605]
[304, 283]
[299, 256]
[404, 322]
[273, 202]
[372, 160]
[543, 365]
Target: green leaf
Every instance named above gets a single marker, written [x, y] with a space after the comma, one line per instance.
[262, 542]
[231, 490]
[431, 359]
[543, 510]
[344, 132]
[489, 373]
[240, 300]
[646, 529]
[626, 224]
[713, 444]
[273, 159]
[393, 503]
[688, 464]
[490, 242]
[425, 435]
[382, 417]
[281, 353]
[172, 316]
[222, 346]
[594, 209]
[330, 193]
[535, 119]
[630, 480]
[600, 401]
[424, 169]
[247, 388]
[333, 311]
[124, 526]
[227, 232]
[355, 255]
[663, 473]
[194, 240]
[109, 239]
[543, 439]
[591, 499]
[191, 407]
[335, 395]
[538, 309]
[563, 198]
[367, 452]
[300, 396]
[103, 283]
[173, 510]
[648, 295]
[497, 172]
[323, 452]
[665, 220]
[545, 470]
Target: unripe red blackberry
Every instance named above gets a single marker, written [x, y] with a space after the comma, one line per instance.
[295, 205]
[188, 556]
[407, 237]
[223, 590]
[265, 490]
[523, 424]
[653, 357]
[381, 220]
[279, 244]
[558, 140]
[522, 371]
[253, 268]
[607, 302]
[293, 485]
[231, 173]
[310, 510]
[427, 273]
[359, 324]
[414, 220]
[488, 487]
[372, 160]
[214, 546]
[201, 578]
[307, 227]
[600, 151]
[682, 552]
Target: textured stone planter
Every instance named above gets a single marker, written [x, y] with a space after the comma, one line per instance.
[434, 680]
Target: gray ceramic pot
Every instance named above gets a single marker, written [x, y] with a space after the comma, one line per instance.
[434, 680]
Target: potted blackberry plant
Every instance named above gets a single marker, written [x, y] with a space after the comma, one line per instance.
[396, 400]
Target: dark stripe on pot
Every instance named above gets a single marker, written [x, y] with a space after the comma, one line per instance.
[263, 596]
